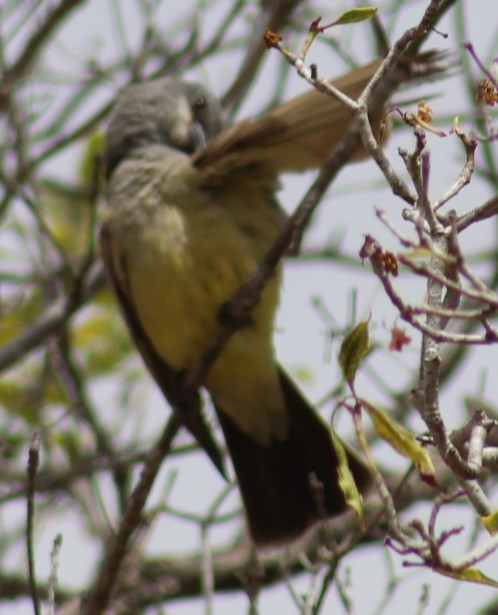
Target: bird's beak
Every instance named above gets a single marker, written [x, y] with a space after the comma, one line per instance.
[197, 136]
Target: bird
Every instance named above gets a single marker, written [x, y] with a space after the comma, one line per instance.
[191, 211]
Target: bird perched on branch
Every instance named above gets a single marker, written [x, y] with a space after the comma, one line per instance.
[191, 214]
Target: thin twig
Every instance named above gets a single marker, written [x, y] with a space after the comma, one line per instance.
[245, 75]
[113, 560]
[33, 462]
[53, 579]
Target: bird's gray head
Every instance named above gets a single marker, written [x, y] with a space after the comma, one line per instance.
[165, 111]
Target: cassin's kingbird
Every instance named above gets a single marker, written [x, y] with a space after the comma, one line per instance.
[191, 213]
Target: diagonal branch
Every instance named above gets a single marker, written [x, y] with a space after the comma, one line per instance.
[32, 48]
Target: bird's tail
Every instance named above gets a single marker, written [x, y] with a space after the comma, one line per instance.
[291, 484]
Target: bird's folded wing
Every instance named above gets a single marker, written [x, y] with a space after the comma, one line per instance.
[166, 378]
[295, 136]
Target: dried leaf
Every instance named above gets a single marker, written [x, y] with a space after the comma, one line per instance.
[402, 441]
[346, 481]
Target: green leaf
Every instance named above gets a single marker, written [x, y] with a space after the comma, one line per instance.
[356, 15]
[353, 348]
[303, 373]
[94, 148]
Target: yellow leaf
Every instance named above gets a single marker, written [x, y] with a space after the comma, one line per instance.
[105, 298]
[402, 441]
[491, 523]
[346, 480]
[68, 214]
[472, 575]
[18, 315]
[353, 348]
[92, 329]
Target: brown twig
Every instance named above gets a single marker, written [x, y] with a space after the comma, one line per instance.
[33, 462]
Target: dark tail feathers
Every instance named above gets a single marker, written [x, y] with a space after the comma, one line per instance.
[279, 498]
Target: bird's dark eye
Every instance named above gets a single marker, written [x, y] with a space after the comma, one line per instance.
[199, 103]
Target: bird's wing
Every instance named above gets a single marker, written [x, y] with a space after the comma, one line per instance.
[166, 378]
[295, 136]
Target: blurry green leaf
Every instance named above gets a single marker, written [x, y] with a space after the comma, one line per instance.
[303, 373]
[11, 443]
[102, 340]
[67, 214]
[353, 348]
[54, 392]
[356, 15]
[12, 394]
[20, 396]
[69, 442]
[92, 155]
[17, 315]
[105, 298]
[68, 209]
